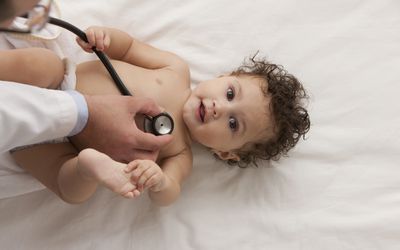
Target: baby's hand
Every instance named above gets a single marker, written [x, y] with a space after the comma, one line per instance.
[146, 174]
[97, 37]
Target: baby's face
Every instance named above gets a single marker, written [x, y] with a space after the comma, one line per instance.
[227, 112]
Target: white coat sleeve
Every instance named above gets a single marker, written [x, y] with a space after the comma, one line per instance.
[30, 115]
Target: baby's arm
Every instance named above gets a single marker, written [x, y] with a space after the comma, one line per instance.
[120, 45]
[35, 66]
[164, 183]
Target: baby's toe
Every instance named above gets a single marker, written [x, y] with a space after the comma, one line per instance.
[128, 195]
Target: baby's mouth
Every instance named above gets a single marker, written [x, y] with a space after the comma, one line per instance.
[202, 111]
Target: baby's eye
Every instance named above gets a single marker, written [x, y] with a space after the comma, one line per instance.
[233, 124]
[230, 94]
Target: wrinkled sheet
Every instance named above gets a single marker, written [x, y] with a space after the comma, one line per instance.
[339, 189]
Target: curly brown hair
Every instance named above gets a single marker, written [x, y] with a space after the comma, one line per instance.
[290, 119]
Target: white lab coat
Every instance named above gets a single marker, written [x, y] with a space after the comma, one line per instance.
[29, 115]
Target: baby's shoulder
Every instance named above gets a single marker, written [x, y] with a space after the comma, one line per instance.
[179, 163]
[179, 146]
[179, 69]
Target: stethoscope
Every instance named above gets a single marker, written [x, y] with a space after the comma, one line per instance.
[160, 124]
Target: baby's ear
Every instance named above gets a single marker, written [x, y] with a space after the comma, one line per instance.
[226, 155]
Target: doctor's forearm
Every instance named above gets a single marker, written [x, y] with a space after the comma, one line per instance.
[30, 115]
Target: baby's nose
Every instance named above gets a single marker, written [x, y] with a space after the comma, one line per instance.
[214, 110]
[218, 109]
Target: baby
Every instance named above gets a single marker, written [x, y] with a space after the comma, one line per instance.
[251, 114]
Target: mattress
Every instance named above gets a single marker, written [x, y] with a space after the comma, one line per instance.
[338, 189]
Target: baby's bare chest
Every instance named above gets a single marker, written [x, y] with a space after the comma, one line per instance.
[163, 86]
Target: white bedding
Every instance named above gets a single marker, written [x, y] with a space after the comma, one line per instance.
[339, 189]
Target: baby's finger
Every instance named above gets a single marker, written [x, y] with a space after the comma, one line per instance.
[140, 189]
[145, 176]
[131, 166]
[129, 195]
[107, 41]
[90, 35]
[138, 172]
[99, 35]
[136, 193]
[153, 180]
[79, 41]
[84, 45]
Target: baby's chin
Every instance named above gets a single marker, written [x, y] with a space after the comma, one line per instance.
[202, 141]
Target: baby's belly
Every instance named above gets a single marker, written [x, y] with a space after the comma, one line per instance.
[94, 79]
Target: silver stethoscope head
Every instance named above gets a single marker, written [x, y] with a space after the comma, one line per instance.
[160, 124]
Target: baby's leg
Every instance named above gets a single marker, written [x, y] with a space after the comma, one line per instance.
[44, 162]
[34, 66]
[74, 178]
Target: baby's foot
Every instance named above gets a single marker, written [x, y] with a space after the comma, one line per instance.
[100, 167]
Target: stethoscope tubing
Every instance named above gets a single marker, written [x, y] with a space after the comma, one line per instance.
[103, 58]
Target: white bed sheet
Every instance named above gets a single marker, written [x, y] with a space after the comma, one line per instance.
[340, 189]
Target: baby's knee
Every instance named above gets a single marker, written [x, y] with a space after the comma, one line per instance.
[73, 200]
[37, 66]
[47, 68]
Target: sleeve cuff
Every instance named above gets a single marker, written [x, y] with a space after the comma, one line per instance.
[83, 112]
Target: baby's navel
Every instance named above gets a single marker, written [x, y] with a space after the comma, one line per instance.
[158, 81]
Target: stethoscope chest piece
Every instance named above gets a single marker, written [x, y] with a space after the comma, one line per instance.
[160, 124]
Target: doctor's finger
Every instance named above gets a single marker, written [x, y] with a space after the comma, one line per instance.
[145, 106]
[144, 154]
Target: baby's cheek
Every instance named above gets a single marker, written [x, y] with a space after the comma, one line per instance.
[216, 137]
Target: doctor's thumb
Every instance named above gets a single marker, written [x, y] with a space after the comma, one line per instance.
[163, 140]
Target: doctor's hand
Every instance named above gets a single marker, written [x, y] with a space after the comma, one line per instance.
[111, 128]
